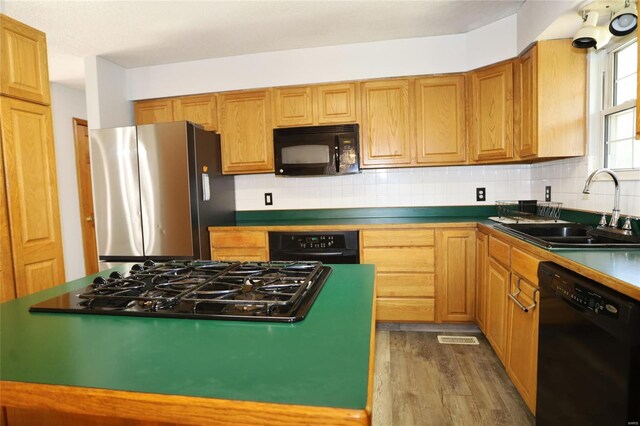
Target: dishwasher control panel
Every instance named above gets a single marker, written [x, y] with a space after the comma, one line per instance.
[586, 298]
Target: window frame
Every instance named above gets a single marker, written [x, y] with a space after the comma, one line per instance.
[606, 59]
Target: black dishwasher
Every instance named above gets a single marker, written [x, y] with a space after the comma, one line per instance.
[325, 246]
[588, 352]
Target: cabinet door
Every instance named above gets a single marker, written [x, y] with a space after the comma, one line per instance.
[386, 136]
[336, 103]
[24, 72]
[197, 109]
[455, 275]
[7, 282]
[154, 111]
[638, 101]
[482, 247]
[34, 216]
[492, 113]
[247, 132]
[526, 104]
[440, 120]
[522, 337]
[293, 106]
[496, 320]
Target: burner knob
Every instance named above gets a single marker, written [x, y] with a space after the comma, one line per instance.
[116, 275]
[99, 281]
[149, 263]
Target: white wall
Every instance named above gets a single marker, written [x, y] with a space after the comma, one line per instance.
[106, 94]
[415, 56]
[67, 104]
[536, 17]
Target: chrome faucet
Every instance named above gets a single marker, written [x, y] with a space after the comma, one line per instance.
[615, 214]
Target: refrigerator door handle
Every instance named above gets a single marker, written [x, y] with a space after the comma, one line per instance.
[206, 188]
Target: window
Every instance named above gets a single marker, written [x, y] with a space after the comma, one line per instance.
[621, 149]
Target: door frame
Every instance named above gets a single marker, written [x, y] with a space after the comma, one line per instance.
[90, 265]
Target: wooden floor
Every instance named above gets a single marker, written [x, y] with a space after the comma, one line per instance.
[421, 382]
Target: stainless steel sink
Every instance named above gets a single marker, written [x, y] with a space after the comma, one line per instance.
[569, 235]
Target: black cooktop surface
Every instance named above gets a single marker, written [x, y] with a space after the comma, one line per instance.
[255, 291]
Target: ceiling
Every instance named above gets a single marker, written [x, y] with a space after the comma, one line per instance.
[142, 33]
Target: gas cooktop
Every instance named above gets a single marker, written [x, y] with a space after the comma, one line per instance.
[254, 291]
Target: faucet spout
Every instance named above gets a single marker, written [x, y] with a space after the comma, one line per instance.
[615, 214]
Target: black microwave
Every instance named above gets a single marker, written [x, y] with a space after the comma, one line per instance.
[316, 150]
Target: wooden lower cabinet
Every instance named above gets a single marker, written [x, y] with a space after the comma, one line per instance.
[522, 338]
[496, 305]
[244, 246]
[456, 275]
[405, 310]
[405, 272]
[510, 299]
[482, 247]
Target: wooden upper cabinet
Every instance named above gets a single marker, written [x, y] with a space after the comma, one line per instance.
[550, 100]
[201, 110]
[293, 106]
[440, 120]
[24, 72]
[153, 111]
[336, 103]
[312, 105]
[33, 211]
[246, 132]
[386, 134]
[491, 127]
[638, 100]
[455, 275]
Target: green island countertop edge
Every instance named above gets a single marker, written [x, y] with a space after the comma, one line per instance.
[322, 360]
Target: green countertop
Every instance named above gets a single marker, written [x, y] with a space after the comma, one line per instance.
[623, 265]
[320, 361]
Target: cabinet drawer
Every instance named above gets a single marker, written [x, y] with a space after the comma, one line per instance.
[499, 251]
[418, 259]
[525, 265]
[405, 285]
[240, 254]
[239, 239]
[398, 238]
[407, 310]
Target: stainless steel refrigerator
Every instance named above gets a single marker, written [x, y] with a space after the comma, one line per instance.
[156, 189]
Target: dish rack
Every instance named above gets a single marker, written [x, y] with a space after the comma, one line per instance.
[529, 210]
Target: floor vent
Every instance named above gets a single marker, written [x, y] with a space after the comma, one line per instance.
[458, 340]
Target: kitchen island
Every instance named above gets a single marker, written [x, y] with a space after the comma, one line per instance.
[183, 371]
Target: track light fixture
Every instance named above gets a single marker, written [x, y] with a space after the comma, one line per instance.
[624, 20]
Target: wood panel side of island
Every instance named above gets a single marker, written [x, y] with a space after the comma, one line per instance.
[111, 407]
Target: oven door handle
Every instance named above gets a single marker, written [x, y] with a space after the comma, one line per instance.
[312, 253]
[336, 154]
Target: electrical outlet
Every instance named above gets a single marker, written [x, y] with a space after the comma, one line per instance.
[547, 193]
[481, 194]
[268, 199]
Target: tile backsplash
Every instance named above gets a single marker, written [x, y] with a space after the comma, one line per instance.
[439, 186]
[407, 187]
[567, 178]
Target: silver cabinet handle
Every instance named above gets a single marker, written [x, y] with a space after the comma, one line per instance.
[514, 297]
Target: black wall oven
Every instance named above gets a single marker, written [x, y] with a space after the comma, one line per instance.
[317, 150]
